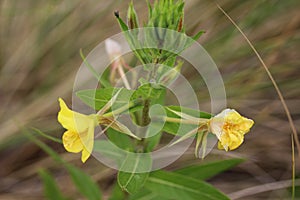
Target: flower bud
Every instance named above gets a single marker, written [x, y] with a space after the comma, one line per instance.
[132, 18]
[112, 48]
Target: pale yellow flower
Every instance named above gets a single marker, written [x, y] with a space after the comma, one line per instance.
[229, 127]
[79, 136]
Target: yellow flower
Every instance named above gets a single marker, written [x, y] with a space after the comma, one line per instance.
[229, 127]
[79, 136]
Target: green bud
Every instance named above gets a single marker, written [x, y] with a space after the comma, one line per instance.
[167, 14]
[132, 18]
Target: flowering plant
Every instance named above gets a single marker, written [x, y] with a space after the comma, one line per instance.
[156, 48]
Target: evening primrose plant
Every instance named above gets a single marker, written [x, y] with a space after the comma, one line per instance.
[156, 48]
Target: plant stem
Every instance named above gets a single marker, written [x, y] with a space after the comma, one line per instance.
[145, 116]
[186, 121]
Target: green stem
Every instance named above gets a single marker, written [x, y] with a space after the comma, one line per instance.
[145, 115]
[187, 121]
[142, 144]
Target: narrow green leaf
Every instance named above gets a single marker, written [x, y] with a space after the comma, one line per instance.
[104, 79]
[207, 170]
[44, 147]
[176, 186]
[84, 183]
[122, 24]
[149, 9]
[51, 189]
[54, 139]
[198, 35]
[89, 66]
[132, 17]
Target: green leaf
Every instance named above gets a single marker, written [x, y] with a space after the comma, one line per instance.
[145, 194]
[191, 172]
[117, 193]
[120, 139]
[51, 189]
[176, 186]
[209, 169]
[148, 91]
[89, 66]
[122, 24]
[130, 177]
[54, 139]
[132, 17]
[104, 79]
[96, 99]
[109, 150]
[132, 182]
[84, 183]
[198, 35]
[44, 147]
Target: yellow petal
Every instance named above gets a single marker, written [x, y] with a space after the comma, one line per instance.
[85, 155]
[88, 139]
[73, 121]
[72, 142]
[246, 125]
[229, 127]
[221, 147]
[235, 141]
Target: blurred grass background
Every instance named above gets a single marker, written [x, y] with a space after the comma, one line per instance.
[40, 42]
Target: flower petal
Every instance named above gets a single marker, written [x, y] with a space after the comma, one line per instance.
[113, 48]
[246, 125]
[88, 139]
[230, 127]
[71, 120]
[85, 155]
[72, 142]
[235, 141]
